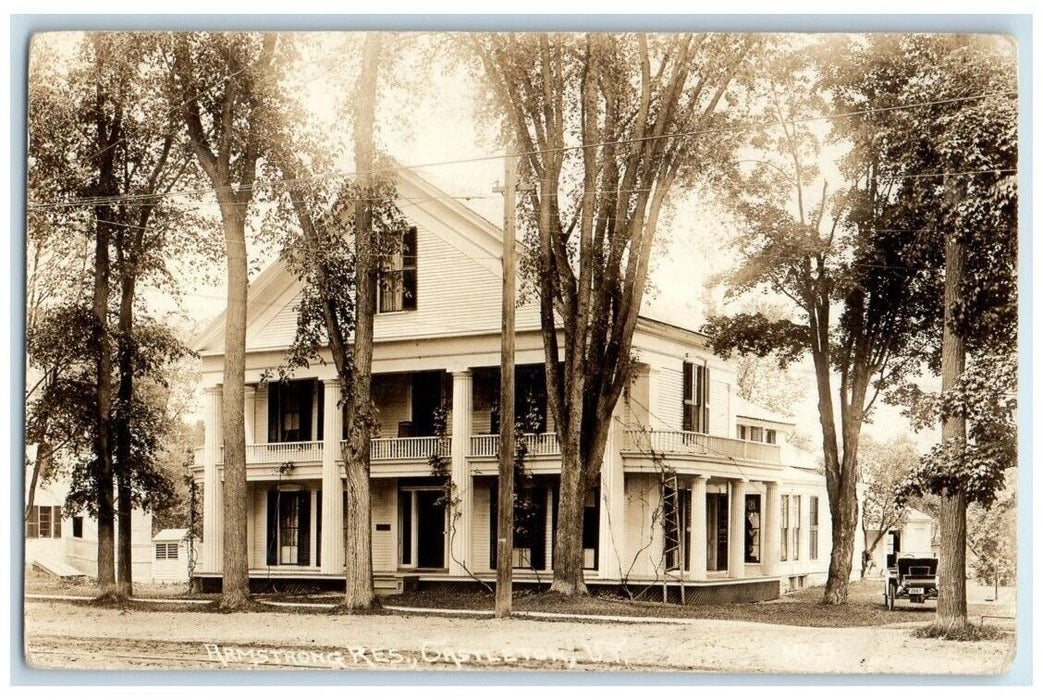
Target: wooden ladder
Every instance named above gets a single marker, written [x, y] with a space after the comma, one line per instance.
[673, 534]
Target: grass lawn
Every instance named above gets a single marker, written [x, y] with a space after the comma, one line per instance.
[802, 608]
[39, 582]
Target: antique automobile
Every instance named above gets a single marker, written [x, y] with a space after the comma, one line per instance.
[913, 577]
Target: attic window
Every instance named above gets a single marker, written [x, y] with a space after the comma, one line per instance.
[396, 283]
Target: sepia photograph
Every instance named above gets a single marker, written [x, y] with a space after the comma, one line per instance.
[521, 351]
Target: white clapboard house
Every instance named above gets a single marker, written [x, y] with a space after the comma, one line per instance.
[66, 545]
[742, 521]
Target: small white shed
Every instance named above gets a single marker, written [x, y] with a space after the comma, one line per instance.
[170, 556]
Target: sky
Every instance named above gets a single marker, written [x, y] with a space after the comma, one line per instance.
[440, 126]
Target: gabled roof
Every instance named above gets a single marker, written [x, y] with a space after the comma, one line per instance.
[415, 193]
[171, 534]
[484, 238]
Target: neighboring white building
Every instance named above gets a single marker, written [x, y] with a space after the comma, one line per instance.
[171, 556]
[65, 545]
[747, 521]
[914, 536]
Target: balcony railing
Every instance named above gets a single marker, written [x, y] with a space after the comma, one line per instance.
[539, 444]
[685, 442]
[389, 449]
[280, 452]
[414, 448]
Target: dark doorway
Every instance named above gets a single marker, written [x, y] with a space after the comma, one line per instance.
[430, 530]
[717, 532]
[894, 546]
[427, 398]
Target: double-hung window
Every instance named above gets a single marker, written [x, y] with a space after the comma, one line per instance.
[796, 527]
[813, 527]
[695, 415]
[397, 280]
[784, 520]
[44, 522]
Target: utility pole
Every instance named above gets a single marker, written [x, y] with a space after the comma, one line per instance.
[505, 490]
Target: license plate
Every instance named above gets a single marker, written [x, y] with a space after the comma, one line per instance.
[915, 591]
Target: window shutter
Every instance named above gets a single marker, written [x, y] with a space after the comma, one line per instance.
[686, 527]
[592, 524]
[303, 528]
[556, 491]
[493, 520]
[706, 400]
[273, 527]
[273, 411]
[379, 289]
[57, 519]
[686, 397]
[32, 525]
[320, 388]
[538, 556]
[409, 270]
[318, 528]
[405, 511]
[344, 511]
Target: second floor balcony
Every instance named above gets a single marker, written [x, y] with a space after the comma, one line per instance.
[417, 451]
[665, 443]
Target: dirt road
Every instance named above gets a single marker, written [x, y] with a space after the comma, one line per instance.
[63, 635]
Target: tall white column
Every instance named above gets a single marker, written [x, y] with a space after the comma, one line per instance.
[737, 529]
[611, 530]
[697, 544]
[771, 535]
[250, 413]
[332, 484]
[459, 531]
[213, 490]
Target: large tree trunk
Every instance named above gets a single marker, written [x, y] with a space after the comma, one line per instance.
[843, 506]
[216, 161]
[125, 359]
[358, 556]
[952, 563]
[235, 583]
[103, 472]
[124, 561]
[840, 551]
[568, 541]
[109, 130]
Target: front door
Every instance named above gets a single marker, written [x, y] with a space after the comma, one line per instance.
[430, 529]
[716, 532]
